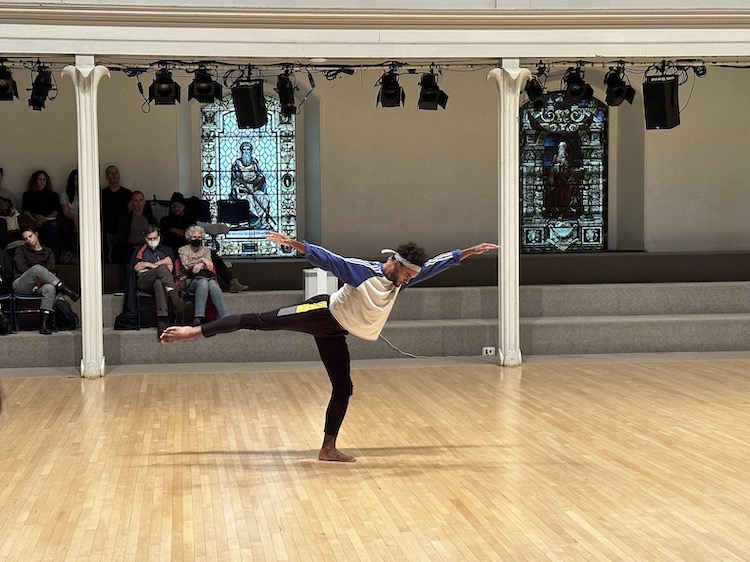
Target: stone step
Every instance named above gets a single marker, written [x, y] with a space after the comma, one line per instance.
[435, 303]
[618, 299]
[439, 322]
[431, 338]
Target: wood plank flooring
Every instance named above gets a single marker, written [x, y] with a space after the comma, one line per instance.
[645, 460]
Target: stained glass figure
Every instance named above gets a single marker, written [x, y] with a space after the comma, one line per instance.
[254, 165]
[563, 175]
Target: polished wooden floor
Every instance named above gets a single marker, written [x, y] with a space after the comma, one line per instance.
[644, 460]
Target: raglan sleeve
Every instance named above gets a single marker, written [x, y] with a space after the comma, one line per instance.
[436, 265]
[352, 271]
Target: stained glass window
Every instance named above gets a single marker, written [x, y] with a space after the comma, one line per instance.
[563, 175]
[253, 165]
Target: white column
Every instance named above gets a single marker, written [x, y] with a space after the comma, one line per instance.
[510, 80]
[86, 75]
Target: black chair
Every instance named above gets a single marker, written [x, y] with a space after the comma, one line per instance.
[159, 208]
[9, 311]
[198, 208]
[19, 309]
[138, 295]
[235, 213]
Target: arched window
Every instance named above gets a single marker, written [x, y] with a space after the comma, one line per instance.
[249, 170]
[563, 175]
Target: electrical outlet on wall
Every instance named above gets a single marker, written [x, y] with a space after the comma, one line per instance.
[488, 350]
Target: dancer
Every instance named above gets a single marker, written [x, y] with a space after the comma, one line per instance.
[361, 307]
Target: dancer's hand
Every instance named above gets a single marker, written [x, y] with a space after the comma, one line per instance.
[479, 249]
[286, 240]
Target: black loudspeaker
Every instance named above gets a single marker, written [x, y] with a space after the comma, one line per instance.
[660, 102]
[250, 105]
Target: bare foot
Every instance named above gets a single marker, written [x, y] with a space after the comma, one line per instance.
[333, 454]
[181, 333]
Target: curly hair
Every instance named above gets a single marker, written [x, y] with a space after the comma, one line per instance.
[413, 253]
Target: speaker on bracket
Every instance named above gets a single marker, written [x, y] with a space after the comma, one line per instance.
[250, 105]
[660, 102]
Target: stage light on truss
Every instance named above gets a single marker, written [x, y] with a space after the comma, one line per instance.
[204, 88]
[431, 96]
[8, 86]
[618, 90]
[163, 90]
[249, 104]
[40, 88]
[391, 94]
[576, 89]
[535, 92]
[285, 89]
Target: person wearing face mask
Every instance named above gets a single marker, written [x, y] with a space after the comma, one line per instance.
[153, 264]
[198, 275]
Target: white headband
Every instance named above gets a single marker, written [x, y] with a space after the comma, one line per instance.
[403, 261]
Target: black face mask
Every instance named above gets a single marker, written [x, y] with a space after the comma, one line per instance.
[196, 243]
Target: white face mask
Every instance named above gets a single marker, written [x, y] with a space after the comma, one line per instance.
[153, 243]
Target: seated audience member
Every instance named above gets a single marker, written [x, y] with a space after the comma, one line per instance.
[6, 286]
[115, 202]
[41, 205]
[173, 228]
[11, 225]
[174, 224]
[131, 227]
[34, 266]
[153, 264]
[7, 194]
[69, 219]
[198, 275]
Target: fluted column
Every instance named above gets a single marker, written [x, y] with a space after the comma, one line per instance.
[86, 75]
[510, 79]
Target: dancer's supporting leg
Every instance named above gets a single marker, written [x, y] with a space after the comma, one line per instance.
[335, 356]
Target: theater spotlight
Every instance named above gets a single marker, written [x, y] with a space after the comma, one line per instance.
[391, 94]
[285, 89]
[535, 92]
[41, 88]
[163, 90]
[431, 96]
[204, 88]
[618, 90]
[8, 87]
[249, 104]
[576, 89]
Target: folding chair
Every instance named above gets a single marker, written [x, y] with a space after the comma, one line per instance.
[9, 310]
[138, 295]
[20, 310]
[234, 212]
